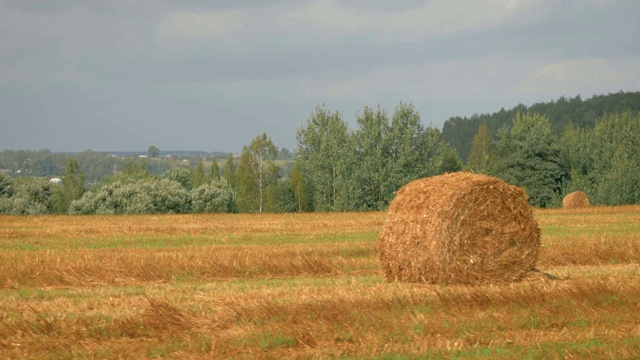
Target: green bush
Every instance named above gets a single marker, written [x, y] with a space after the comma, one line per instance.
[27, 196]
[6, 186]
[216, 196]
[145, 196]
[179, 175]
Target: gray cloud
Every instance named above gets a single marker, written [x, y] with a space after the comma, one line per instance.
[212, 75]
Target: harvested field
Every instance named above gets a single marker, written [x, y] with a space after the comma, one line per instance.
[304, 286]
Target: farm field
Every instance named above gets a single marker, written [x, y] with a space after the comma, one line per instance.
[307, 286]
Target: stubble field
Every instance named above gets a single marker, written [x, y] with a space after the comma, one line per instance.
[303, 286]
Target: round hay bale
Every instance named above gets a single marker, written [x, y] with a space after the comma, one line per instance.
[459, 228]
[576, 200]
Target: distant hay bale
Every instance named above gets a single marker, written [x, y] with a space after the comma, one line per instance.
[576, 200]
[459, 228]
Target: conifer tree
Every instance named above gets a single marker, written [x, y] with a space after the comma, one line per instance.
[197, 175]
[72, 186]
[229, 171]
[481, 157]
[531, 158]
[214, 171]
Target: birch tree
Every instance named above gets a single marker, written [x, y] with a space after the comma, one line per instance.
[257, 173]
[325, 151]
[370, 190]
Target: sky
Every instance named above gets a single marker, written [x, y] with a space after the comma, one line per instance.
[211, 75]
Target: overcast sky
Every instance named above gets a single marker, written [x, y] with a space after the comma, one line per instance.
[211, 75]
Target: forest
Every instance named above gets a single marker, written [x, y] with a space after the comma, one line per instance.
[549, 149]
[583, 114]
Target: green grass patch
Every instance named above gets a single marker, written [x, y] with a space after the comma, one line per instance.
[170, 241]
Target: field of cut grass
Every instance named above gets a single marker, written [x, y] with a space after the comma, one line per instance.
[303, 286]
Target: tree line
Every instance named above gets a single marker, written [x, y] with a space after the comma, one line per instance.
[603, 162]
[337, 168]
[582, 114]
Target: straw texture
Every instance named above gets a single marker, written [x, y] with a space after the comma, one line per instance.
[459, 228]
[576, 200]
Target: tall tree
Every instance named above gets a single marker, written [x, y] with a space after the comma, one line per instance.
[300, 188]
[197, 175]
[134, 167]
[576, 148]
[370, 190]
[481, 157]
[531, 158]
[280, 197]
[153, 151]
[616, 159]
[257, 173]
[214, 171]
[229, 171]
[325, 152]
[285, 154]
[409, 147]
[448, 159]
[440, 156]
[72, 186]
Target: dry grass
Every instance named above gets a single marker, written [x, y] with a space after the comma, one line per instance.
[576, 200]
[459, 228]
[237, 286]
[212, 226]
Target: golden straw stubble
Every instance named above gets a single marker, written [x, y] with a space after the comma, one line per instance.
[459, 228]
[576, 200]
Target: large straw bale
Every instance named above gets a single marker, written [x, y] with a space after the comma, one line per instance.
[459, 228]
[575, 200]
